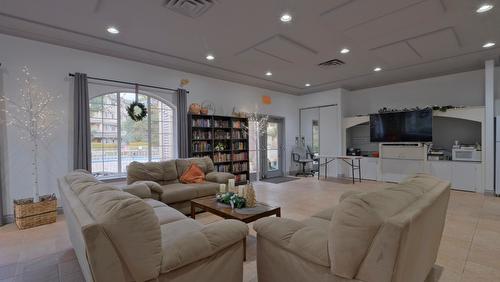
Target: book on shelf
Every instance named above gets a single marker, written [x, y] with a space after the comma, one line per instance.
[201, 122]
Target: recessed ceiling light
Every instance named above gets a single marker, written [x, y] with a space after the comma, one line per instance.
[210, 57]
[269, 73]
[113, 30]
[286, 17]
[484, 8]
[489, 44]
[377, 69]
[345, 51]
[308, 84]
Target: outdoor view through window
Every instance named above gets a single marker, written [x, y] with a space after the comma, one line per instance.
[117, 140]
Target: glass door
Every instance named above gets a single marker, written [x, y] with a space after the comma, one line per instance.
[272, 155]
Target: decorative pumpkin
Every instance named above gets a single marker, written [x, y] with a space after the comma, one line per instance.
[195, 108]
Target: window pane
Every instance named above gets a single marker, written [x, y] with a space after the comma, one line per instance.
[133, 137]
[104, 136]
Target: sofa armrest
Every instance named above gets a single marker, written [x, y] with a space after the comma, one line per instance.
[153, 186]
[307, 242]
[219, 177]
[222, 234]
[138, 189]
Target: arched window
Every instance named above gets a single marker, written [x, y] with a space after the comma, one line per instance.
[117, 140]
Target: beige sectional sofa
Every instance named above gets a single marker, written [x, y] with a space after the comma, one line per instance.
[388, 235]
[163, 180]
[118, 236]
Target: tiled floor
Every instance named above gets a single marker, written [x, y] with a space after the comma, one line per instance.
[470, 249]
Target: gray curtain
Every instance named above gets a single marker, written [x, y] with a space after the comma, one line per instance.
[182, 133]
[81, 148]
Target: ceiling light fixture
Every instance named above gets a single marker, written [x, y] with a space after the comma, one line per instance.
[269, 73]
[308, 84]
[489, 44]
[345, 51]
[210, 57]
[113, 30]
[286, 17]
[377, 69]
[484, 8]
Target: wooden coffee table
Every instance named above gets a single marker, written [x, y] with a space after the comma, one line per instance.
[211, 205]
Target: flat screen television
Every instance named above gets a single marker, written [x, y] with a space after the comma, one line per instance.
[412, 126]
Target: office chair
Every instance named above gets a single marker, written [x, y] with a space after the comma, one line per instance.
[300, 156]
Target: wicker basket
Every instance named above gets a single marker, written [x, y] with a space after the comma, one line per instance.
[35, 214]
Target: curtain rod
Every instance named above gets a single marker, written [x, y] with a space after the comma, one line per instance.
[128, 83]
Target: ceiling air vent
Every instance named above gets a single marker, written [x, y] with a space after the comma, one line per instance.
[332, 63]
[189, 8]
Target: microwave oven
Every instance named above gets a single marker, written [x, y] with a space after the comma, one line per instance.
[469, 155]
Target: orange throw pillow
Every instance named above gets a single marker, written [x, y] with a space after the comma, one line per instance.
[194, 174]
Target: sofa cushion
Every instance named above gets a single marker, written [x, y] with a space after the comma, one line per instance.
[164, 213]
[219, 177]
[193, 174]
[161, 172]
[358, 218]
[204, 163]
[187, 241]
[179, 192]
[325, 214]
[130, 224]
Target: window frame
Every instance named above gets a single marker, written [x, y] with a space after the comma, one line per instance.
[119, 175]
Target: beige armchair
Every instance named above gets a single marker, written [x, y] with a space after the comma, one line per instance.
[389, 235]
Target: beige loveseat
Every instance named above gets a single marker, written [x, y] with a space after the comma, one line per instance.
[164, 180]
[120, 237]
[389, 235]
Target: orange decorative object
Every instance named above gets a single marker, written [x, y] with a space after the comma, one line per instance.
[266, 100]
[195, 108]
[194, 174]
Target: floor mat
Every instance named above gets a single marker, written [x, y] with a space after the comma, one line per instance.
[277, 180]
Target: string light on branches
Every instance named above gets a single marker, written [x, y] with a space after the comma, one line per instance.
[31, 113]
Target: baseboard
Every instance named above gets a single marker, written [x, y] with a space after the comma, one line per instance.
[9, 218]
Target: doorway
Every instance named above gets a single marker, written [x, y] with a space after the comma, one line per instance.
[272, 141]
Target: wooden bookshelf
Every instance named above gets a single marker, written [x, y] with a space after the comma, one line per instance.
[224, 139]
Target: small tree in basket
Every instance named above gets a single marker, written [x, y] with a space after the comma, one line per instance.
[31, 114]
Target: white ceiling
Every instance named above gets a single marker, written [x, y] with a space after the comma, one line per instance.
[409, 39]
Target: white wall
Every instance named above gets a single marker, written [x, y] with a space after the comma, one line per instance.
[465, 89]
[53, 63]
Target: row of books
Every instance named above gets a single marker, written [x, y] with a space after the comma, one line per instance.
[238, 134]
[240, 167]
[221, 134]
[202, 134]
[202, 146]
[223, 168]
[239, 146]
[201, 122]
[221, 157]
[243, 156]
[221, 123]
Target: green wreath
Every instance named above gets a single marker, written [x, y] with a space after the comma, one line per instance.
[137, 111]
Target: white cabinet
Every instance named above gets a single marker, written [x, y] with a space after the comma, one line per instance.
[465, 176]
[441, 170]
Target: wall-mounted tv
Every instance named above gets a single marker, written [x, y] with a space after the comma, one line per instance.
[411, 126]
